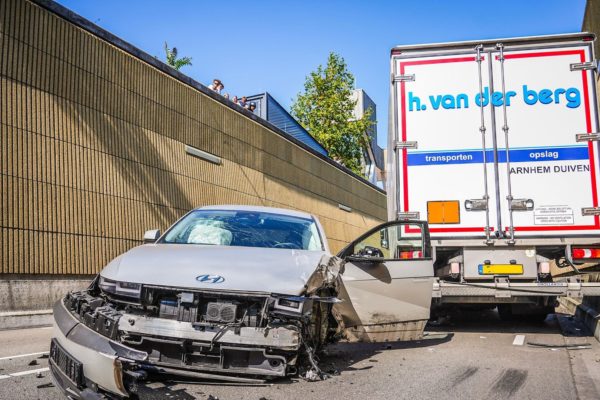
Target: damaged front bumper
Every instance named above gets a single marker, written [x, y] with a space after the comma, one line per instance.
[113, 352]
[108, 342]
[85, 364]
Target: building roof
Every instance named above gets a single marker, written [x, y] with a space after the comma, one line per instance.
[270, 110]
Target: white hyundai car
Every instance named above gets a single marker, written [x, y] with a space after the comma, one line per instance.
[238, 293]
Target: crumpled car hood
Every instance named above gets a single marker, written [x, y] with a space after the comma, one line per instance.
[249, 269]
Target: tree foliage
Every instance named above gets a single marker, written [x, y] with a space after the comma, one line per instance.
[325, 109]
[173, 61]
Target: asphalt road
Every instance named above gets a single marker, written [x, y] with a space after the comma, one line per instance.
[473, 356]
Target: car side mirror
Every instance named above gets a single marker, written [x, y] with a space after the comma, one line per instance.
[151, 236]
[364, 259]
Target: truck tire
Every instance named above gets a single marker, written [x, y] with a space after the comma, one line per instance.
[541, 314]
[536, 315]
[505, 312]
[539, 317]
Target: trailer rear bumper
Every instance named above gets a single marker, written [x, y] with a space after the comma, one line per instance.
[502, 290]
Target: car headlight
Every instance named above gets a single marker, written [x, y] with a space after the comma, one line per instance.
[126, 289]
[290, 304]
[287, 303]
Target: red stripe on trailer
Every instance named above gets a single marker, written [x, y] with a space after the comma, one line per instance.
[588, 123]
[553, 228]
[464, 229]
[547, 54]
[438, 61]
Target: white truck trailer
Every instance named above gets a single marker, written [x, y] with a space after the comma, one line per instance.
[495, 144]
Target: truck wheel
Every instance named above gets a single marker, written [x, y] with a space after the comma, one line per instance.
[535, 314]
[505, 312]
[541, 314]
[538, 317]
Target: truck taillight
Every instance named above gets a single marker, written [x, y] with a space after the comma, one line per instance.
[407, 255]
[579, 254]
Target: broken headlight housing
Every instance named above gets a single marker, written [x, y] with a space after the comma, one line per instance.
[125, 289]
[289, 304]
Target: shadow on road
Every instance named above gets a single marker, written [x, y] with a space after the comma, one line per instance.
[165, 392]
[487, 321]
[343, 356]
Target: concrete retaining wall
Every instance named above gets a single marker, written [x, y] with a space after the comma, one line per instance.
[27, 300]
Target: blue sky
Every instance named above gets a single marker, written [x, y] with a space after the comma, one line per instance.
[256, 46]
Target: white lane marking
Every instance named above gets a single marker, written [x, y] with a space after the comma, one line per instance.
[24, 355]
[519, 340]
[33, 371]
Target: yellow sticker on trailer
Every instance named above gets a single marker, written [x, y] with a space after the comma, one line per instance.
[500, 269]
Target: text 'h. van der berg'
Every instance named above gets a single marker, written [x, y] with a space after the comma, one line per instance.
[570, 97]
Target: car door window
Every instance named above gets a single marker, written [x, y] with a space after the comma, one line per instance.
[399, 241]
[387, 283]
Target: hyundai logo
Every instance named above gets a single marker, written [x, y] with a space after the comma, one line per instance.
[210, 278]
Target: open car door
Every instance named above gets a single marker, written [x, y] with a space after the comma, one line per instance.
[387, 283]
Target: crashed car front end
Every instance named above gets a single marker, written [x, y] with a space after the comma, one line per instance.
[238, 294]
[222, 295]
[114, 336]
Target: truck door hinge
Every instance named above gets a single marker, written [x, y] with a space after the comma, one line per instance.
[407, 215]
[405, 145]
[590, 211]
[587, 137]
[593, 65]
[521, 204]
[476, 204]
[403, 78]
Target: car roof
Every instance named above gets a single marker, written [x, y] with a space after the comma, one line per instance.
[272, 210]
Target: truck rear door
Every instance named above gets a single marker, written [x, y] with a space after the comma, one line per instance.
[475, 163]
[440, 142]
[542, 161]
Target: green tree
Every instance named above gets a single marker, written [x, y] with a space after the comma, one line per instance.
[325, 109]
[173, 61]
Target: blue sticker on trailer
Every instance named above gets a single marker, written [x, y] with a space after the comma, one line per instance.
[516, 155]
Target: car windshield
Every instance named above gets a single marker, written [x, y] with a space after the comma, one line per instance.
[245, 228]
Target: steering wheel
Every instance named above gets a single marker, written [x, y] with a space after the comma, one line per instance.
[287, 245]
